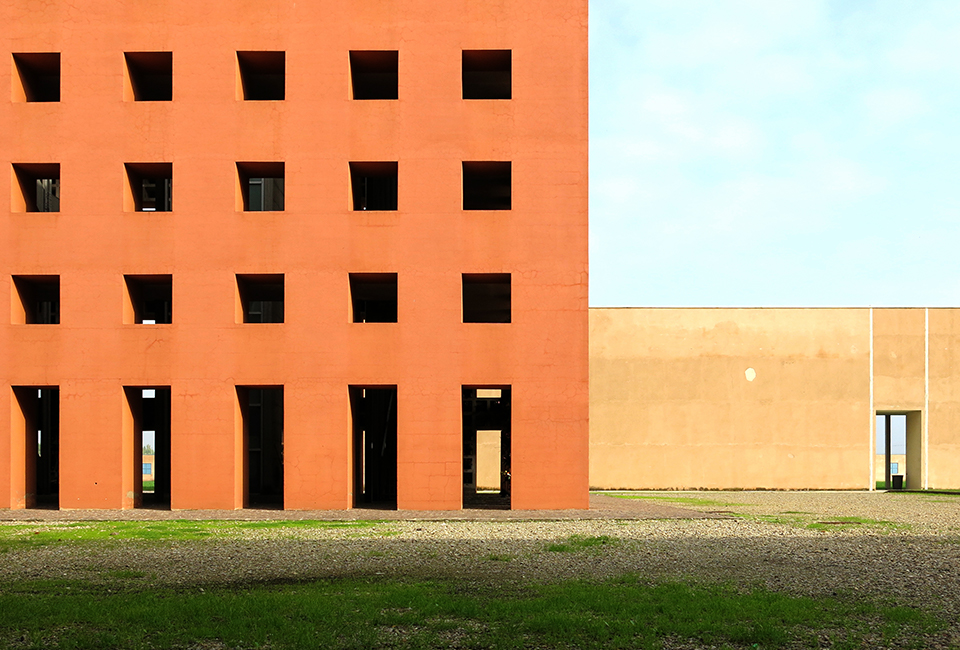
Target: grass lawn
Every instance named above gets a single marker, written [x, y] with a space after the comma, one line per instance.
[407, 613]
[27, 535]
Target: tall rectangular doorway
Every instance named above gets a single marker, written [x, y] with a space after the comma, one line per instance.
[486, 447]
[149, 408]
[39, 411]
[899, 455]
[373, 412]
[262, 410]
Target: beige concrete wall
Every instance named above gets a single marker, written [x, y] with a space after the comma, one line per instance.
[672, 404]
[943, 443]
[488, 460]
[898, 359]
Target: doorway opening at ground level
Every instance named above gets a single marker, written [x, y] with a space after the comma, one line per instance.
[486, 447]
[373, 411]
[899, 450]
[40, 414]
[262, 410]
[150, 421]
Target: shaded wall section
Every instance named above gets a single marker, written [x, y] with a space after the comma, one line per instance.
[730, 398]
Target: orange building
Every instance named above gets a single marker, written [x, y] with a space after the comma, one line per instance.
[310, 250]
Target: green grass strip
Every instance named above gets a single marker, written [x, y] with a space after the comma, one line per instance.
[25, 535]
[359, 613]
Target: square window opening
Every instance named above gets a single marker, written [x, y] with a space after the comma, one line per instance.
[36, 187]
[486, 298]
[487, 74]
[36, 299]
[261, 298]
[373, 297]
[487, 186]
[149, 76]
[150, 187]
[261, 186]
[374, 74]
[374, 185]
[262, 76]
[36, 77]
[148, 299]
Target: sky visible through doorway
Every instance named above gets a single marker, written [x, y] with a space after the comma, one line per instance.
[898, 435]
[788, 153]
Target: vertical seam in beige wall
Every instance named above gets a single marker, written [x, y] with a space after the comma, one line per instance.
[873, 416]
[926, 399]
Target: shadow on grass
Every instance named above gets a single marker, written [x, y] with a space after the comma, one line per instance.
[361, 613]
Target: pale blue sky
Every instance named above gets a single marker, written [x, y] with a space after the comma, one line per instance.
[775, 153]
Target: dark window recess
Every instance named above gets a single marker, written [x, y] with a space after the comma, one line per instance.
[374, 414]
[39, 74]
[261, 297]
[374, 74]
[151, 75]
[40, 408]
[374, 297]
[486, 186]
[487, 74]
[39, 186]
[151, 297]
[40, 298]
[486, 297]
[151, 185]
[374, 185]
[262, 412]
[262, 186]
[262, 75]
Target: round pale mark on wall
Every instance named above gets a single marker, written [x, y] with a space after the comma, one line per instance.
[750, 374]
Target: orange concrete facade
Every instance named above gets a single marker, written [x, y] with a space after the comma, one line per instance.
[315, 242]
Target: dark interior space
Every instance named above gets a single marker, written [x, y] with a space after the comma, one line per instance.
[40, 298]
[374, 297]
[485, 409]
[262, 411]
[39, 185]
[374, 185]
[151, 185]
[40, 407]
[151, 75]
[375, 74]
[261, 297]
[262, 75]
[486, 186]
[487, 74]
[262, 185]
[374, 412]
[486, 298]
[39, 75]
[151, 297]
[150, 407]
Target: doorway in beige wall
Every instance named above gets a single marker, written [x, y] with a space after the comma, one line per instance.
[899, 450]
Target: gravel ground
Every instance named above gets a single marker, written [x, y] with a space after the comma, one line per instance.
[900, 546]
